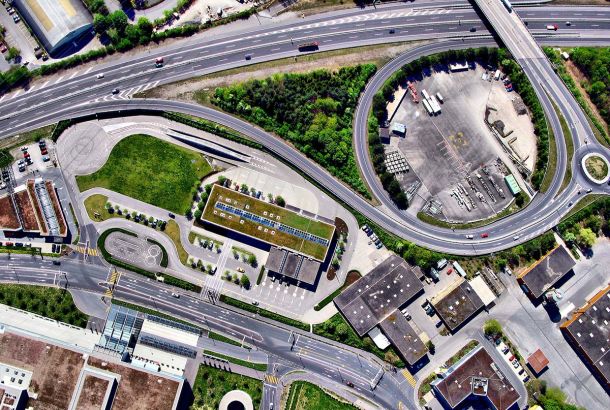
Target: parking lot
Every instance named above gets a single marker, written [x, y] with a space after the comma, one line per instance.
[17, 35]
[32, 159]
[444, 150]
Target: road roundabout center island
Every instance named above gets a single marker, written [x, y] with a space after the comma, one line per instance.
[596, 168]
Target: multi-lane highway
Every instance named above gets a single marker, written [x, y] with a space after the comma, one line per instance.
[329, 361]
[81, 93]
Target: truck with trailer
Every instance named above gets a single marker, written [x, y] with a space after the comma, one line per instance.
[435, 105]
[428, 107]
[440, 98]
[425, 94]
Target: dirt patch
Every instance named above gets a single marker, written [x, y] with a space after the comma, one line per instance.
[27, 211]
[352, 276]
[54, 370]
[8, 216]
[332, 60]
[93, 393]
[341, 226]
[139, 390]
[580, 78]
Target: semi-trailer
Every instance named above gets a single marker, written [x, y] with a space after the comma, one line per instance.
[428, 107]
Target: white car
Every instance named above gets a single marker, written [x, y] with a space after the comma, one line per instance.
[469, 236]
[100, 75]
[516, 237]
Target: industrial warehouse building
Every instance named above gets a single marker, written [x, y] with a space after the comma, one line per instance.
[56, 23]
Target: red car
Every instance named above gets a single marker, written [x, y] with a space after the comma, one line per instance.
[44, 151]
[449, 271]
[26, 154]
[484, 235]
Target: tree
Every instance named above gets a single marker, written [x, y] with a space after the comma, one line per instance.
[101, 23]
[431, 347]
[342, 330]
[13, 52]
[119, 20]
[245, 281]
[586, 237]
[252, 259]
[570, 238]
[492, 328]
[198, 213]
[279, 201]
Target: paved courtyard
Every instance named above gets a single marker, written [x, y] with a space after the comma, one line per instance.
[134, 250]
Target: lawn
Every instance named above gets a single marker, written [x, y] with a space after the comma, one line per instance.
[49, 302]
[597, 167]
[96, 204]
[173, 231]
[152, 171]
[211, 384]
[306, 396]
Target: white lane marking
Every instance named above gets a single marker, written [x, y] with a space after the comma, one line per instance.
[73, 75]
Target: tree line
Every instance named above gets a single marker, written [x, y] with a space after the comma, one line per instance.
[313, 111]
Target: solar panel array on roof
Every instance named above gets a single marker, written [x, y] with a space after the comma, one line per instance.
[167, 346]
[272, 224]
[174, 324]
[121, 325]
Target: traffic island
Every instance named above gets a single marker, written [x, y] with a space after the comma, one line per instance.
[596, 168]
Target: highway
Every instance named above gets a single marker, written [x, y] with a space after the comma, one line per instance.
[331, 362]
[82, 94]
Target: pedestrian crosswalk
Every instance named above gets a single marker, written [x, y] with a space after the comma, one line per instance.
[409, 377]
[84, 249]
[113, 279]
[271, 379]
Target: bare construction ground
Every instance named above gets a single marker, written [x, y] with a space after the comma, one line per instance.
[92, 393]
[448, 152]
[54, 370]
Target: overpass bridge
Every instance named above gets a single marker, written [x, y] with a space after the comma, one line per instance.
[512, 31]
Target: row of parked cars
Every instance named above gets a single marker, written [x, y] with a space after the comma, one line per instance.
[512, 359]
[372, 236]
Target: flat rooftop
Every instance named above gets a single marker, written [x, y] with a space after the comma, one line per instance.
[372, 298]
[476, 374]
[292, 265]
[456, 304]
[590, 331]
[8, 215]
[543, 274]
[538, 361]
[268, 223]
[402, 335]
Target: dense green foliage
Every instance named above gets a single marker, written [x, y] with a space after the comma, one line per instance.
[307, 396]
[377, 153]
[167, 279]
[560, 68]
[313, 111]
[492, 327]
[595, 63]
[549, 398]
[151, 170]
[49, 302]
[6, 158]
[212, 384]
[582, 227]
[484, 56]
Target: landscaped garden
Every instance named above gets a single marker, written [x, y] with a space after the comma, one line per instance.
[596, 167]
[212, 384]
[49, 302]
[151, 170]
[306, 396]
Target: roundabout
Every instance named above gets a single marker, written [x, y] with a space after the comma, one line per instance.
[595, 167]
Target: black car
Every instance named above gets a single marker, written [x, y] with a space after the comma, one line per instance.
[57, 263]
[473, 29]
[392, 31]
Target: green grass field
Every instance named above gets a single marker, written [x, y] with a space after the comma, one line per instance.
[49, 302]
[152, 171]
[306, 396]
[272, 212]
[211, 384]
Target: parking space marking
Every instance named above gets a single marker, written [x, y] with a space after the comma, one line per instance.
[74, 75]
